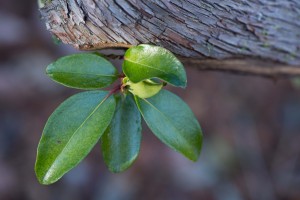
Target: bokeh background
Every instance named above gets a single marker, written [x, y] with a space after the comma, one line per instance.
[251, 131]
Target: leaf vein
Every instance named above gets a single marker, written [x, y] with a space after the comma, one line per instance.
[145, 65]
[83, 74]
[81, 125]
[166, 119]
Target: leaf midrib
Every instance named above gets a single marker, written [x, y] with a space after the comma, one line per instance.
[166, 119]
[82, 74]
[144, 65]
[117, 160]
[81, 125]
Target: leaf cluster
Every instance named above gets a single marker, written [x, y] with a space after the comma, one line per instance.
[114, 117]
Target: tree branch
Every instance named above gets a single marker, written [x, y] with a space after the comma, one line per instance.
[249, 66]
[264, 35]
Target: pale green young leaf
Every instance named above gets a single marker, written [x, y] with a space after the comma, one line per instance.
[143, 89]
[148, 61]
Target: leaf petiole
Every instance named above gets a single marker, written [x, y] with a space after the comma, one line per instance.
[116, 89]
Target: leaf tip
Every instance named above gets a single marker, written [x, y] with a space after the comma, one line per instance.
[42, 178]
[47, 179]
[183, 84]
[115, 170]
[122, 167]
[44, 182]
[194, 157]
[49, 69]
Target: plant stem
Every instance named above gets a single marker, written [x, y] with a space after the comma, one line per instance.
[115, 89]
[121, 75]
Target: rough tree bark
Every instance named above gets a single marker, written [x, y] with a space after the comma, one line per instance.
[247, 36]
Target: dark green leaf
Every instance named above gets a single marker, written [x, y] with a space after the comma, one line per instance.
[71, 132]
[83, 71]
[147, 61]
[121, 141]
[172, 121]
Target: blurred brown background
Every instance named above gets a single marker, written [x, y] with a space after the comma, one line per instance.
[251, 131]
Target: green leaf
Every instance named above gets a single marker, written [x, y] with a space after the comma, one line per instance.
[121, 141]
[83, 71]
[172, 121]
[143, 89]
[71, 132]
[147, 61]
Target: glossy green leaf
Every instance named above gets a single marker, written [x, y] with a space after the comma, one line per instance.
[147, 61]
[71, 132]
[143, 89]
[83, 71]
[172, 121]
[121, 141]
